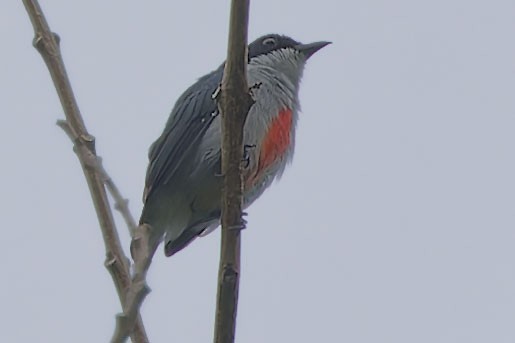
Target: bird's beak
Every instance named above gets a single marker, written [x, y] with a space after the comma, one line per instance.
[309, 49]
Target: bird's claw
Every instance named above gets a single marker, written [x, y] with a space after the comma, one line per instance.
[242, 225]
[246, 158]
[254, 88]
[216, 93]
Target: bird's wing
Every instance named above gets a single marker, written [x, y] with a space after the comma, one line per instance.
[191, 117]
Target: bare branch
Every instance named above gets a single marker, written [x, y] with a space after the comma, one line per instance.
[234, 102]
[120, 203]
[84, 145]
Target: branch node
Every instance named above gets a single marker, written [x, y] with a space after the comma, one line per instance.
[37, 42]
[110, 260]
[89, 141]
[86, 137]
[230, 273]
[57, 39]
[123, 203]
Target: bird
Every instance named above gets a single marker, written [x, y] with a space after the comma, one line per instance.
[183, 184]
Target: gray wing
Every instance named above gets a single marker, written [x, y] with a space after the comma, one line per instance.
[191, 117]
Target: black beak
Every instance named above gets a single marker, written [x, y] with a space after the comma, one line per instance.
[309, 49]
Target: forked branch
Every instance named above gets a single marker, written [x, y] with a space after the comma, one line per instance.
[117, 263]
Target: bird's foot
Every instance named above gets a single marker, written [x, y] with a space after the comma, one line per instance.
[246, 156]
[216, 93]
[253, 89]
[242, 225]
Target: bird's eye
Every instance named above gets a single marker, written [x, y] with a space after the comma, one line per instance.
[270, 41]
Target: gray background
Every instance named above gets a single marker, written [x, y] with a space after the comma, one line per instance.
[396, 222]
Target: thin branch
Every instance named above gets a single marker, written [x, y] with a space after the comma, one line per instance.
[84, 145]
[234, 102]
[121, 204]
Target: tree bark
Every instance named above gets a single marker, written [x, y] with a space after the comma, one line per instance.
[234, 103]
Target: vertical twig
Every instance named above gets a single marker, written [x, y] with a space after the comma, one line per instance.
[84, 145]
[234, 102]
[142, 249]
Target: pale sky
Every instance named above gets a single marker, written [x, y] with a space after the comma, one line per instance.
[394, 224]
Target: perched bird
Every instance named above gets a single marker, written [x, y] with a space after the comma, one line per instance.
[182, 196]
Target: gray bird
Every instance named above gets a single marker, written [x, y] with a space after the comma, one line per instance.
[182, 196]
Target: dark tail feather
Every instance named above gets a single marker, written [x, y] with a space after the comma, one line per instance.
[192, 232]
[181, 242]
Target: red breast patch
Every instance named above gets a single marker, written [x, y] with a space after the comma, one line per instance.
[276, 142]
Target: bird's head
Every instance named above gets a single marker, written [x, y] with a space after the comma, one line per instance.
[283, 54]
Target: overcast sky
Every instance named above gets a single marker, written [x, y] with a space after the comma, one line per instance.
[395, 222]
